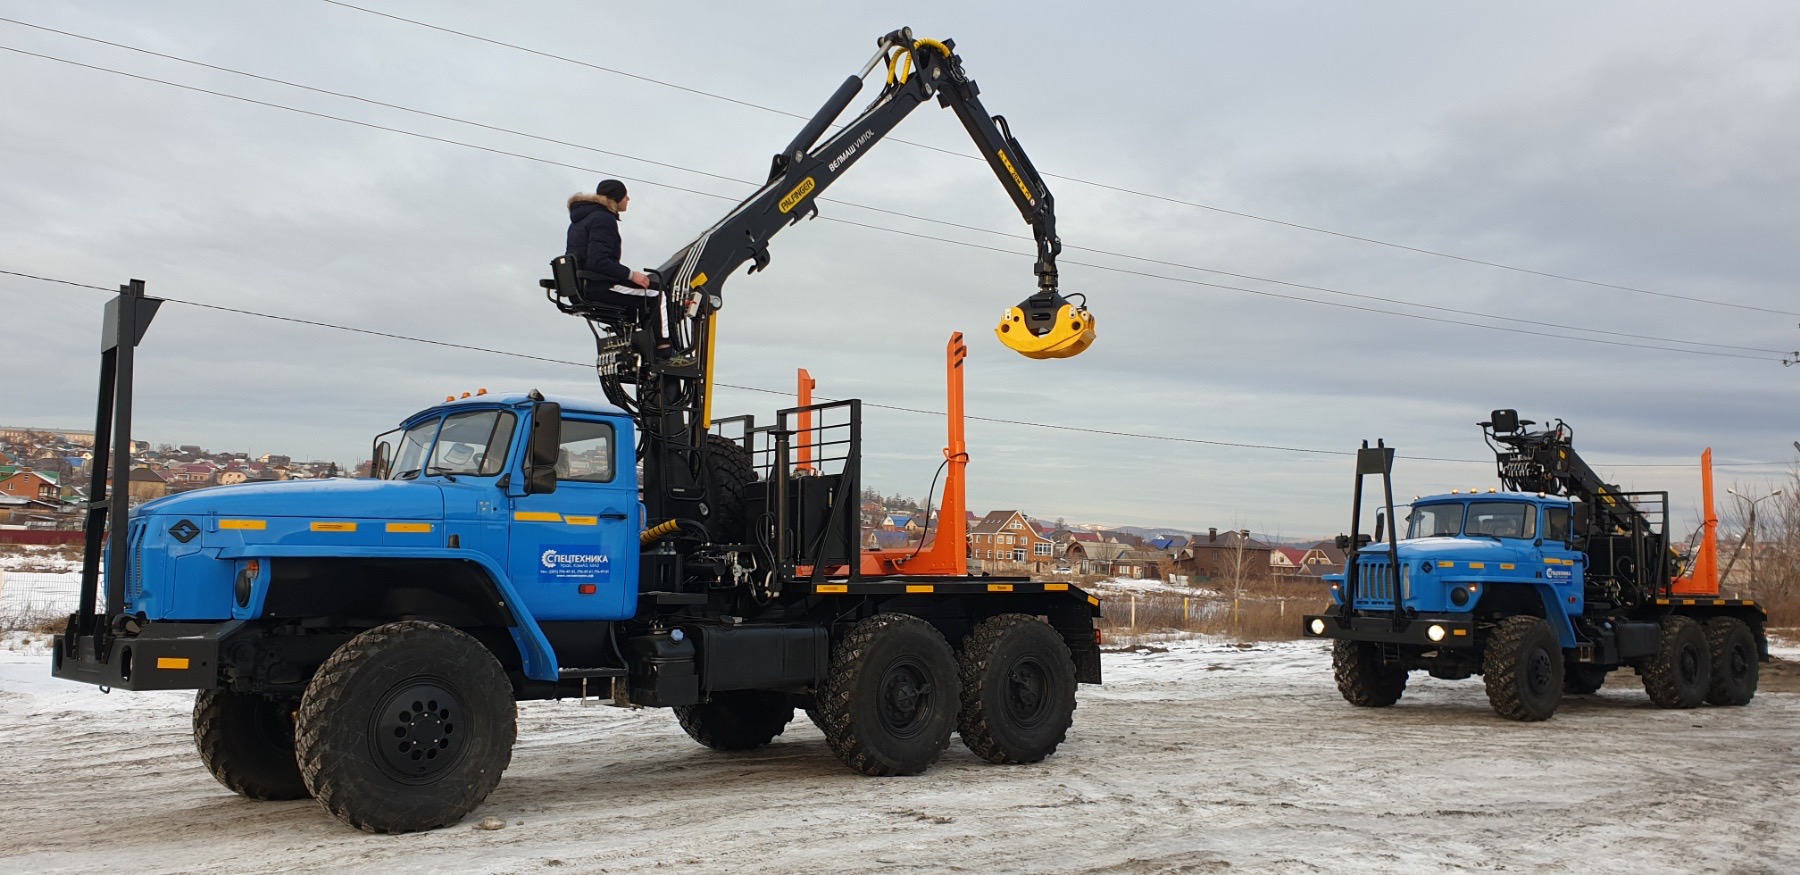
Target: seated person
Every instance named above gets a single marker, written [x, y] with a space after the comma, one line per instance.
[594, 243]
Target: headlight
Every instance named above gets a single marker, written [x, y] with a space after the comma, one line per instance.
[246, 578]
[1459, 596]
[1318, 626]
[1435, 632]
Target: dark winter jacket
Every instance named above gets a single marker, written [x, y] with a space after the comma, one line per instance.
[594, 239]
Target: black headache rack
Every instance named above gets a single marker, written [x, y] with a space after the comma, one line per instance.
[806, 511]
[805, 506]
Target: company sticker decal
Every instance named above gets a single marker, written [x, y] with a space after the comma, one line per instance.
[573, 562]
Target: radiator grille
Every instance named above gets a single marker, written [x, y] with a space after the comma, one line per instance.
[134, 562]
[1374, 582]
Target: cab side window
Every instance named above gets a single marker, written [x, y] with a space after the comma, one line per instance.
[587, 451]
[1556, 524]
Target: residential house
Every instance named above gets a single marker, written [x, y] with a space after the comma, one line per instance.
[1229, 556]
[1095, 557]
[1006, 536]
[29, 483]
[1285, 561]
[146, 485]
[1322, 558]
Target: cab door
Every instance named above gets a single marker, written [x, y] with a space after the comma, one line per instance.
[1563, 564]
[573, 553]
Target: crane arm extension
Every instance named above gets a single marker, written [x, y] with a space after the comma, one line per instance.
[916, 71]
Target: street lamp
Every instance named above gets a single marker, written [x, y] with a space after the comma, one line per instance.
[1750, 528]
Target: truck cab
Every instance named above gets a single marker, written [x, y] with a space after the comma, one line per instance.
[513, 514]
[1462, 555]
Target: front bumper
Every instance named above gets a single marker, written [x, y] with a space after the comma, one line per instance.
[1459, 629]
[164, 656]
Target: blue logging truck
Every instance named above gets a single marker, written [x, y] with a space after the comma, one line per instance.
[1542, 587]
[363, 641]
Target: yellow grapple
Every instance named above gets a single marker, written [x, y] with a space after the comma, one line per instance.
[1067, 333]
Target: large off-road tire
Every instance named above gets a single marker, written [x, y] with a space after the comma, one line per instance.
[736, 719]
[1581, 679]
[890, 700]
[1018, 689]
[1678, 674]
[407, 726]
[247, 742]
[729, 475]
[1733, 652]
[1523, 669]
[1363, 679]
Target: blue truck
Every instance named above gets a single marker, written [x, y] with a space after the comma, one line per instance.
[1543, 586]
[364, 641]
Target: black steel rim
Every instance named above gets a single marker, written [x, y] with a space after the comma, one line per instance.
[905, 697]
[1690, 664]
[417, 733]
[1740, 663]
[1026, 698]
[1537, 671]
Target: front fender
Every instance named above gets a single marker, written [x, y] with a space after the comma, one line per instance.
[537, 657]
[1543, 595]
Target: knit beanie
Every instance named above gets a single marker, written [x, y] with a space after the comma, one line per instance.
[611, 188]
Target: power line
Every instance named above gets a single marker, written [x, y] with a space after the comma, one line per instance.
[759, 389]
[1419, 250]
[1261, 293]
[752, 184]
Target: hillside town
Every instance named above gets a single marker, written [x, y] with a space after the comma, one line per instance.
[45, 472]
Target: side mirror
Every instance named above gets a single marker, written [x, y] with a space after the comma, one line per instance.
[383, 463]
[1380, 524]
[543, 447]
[1580, 519]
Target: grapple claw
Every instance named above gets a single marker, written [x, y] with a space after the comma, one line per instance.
[1046, 328]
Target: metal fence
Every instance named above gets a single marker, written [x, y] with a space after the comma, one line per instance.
[27, 598]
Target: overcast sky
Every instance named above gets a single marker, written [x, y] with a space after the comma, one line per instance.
[1645, 145]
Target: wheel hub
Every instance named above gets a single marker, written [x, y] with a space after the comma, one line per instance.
[1537, 671]
[417, 731]
[1025, 701]
[1690, 665]
[905, 698]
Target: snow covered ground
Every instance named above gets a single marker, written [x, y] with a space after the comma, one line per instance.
[1207, 757]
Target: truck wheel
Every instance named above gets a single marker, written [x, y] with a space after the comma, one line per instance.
[729, 475]
[1678, 673]
[891, 698]
[1018, 689]
[1363, 679]
[1733, 653]
[736, 719]
[1583, 680]
[247, 742]
[1523, 669]
[406, 727]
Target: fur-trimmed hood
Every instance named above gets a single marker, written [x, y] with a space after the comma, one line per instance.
[588, 198]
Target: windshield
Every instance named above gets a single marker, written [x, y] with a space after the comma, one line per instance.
[473, 443]
[409, 459]
[1434, 520]
[1502, 519]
